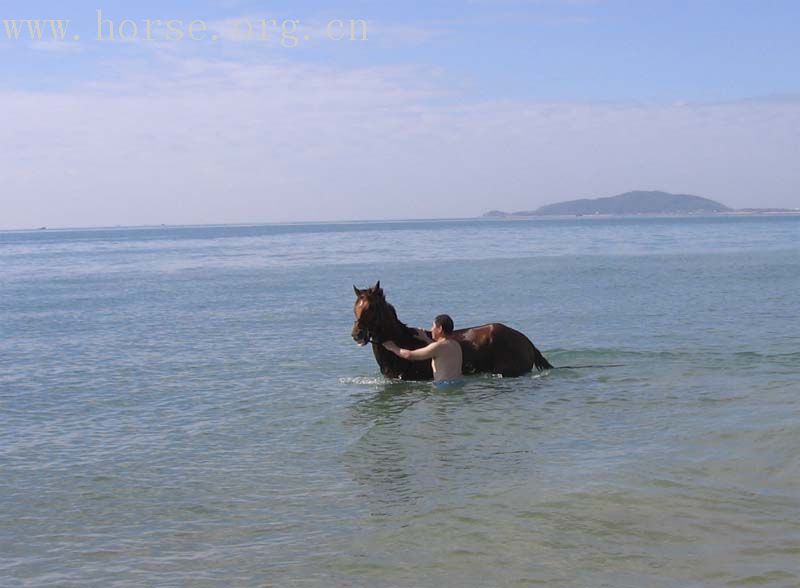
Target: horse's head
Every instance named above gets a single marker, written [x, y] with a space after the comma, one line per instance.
[370, 312]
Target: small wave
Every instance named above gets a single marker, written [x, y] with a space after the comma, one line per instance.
[767, 356]
[364, 381]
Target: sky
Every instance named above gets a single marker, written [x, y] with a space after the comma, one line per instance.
[271, 112]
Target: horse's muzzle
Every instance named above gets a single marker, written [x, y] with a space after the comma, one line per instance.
[360, 335]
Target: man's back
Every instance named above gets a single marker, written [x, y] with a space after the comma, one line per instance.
[447, 360]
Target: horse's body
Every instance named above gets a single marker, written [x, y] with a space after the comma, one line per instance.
[492, 348]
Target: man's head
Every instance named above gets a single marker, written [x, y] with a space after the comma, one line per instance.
[442, 326]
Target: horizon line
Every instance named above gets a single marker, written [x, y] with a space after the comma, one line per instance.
[483, 217]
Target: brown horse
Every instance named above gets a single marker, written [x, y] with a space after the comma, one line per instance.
[493, 348]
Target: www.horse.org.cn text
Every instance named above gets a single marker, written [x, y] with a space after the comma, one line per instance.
[106, 28]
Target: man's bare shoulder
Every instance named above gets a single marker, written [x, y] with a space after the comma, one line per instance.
[441, 346]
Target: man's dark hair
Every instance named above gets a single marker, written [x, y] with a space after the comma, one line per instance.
[444, 321]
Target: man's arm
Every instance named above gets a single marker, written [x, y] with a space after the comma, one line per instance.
[428, 352]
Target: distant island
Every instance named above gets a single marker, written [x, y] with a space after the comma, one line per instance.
[632, 203]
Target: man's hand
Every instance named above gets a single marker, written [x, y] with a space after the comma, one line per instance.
[420, 334]
[392, 346]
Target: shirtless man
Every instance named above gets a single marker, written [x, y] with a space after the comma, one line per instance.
[444, 352]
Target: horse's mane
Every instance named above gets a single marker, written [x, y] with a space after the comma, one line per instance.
[393, 314]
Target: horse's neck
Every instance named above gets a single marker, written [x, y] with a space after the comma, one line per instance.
[393, 330]
[393, 327]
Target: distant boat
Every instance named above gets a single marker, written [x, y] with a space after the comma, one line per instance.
[42, 228]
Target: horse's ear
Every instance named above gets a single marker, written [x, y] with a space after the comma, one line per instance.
[356, 290]
[377, 288]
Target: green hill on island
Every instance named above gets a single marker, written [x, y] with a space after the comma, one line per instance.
[638, 202]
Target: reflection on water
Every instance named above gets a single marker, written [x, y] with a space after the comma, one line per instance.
[420, 440]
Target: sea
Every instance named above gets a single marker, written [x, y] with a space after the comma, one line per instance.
[185, 407]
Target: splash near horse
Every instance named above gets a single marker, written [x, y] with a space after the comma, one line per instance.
[493, 348]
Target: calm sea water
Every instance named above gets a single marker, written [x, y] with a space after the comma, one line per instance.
[185, 407]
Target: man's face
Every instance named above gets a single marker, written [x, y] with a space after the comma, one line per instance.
[436, 331]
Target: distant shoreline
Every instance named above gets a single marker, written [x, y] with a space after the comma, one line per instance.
[639, 203]
[749, 213]
[505, 217]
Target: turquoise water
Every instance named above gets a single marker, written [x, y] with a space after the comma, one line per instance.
[185, 407]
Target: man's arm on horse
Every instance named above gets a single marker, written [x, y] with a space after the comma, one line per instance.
[428, 352]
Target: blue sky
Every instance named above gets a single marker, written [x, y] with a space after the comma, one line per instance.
[448, 109]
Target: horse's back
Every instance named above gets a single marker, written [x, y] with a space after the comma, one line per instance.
[499, 349]
[490, 333]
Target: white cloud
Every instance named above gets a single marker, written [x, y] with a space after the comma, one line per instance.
[197, 141]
